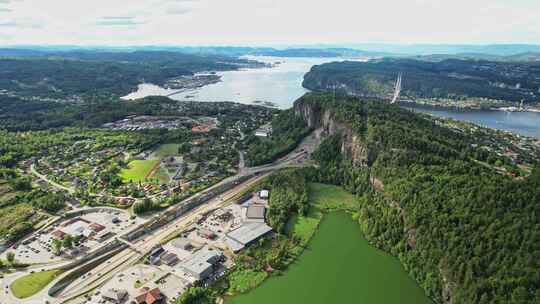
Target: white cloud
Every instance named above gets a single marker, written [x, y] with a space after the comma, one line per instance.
[22, 24]
[178, 10]
[268, 21]
[118, 21]
[8, 24]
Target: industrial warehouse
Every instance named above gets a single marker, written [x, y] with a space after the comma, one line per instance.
[246, 235]
[202, 254]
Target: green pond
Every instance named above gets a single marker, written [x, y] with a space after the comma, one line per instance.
[339, 267]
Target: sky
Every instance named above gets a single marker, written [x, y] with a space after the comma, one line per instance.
[267, 22]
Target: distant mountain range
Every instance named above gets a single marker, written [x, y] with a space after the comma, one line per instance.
[29, 51]
[527, 56]
[427, 49]
[430, 52]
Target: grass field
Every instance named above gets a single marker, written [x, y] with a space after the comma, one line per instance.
[331, 197]
[322, 197]
[167, 150]
[242, 281]
[138, 170]
[304, 227]
[31, 284]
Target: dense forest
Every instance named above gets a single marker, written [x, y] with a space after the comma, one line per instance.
[287, 132]
[452, 78]
[289, 195]
[101, 73]
[21, 115]
[466, 233]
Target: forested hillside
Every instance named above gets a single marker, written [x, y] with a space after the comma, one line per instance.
[288, 131]
[452, 78]
[100, 73]
[21, 115]
[466, 233]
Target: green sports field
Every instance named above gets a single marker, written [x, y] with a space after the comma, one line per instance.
[137, 170]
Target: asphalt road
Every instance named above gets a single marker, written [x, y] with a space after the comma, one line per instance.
[126, 258]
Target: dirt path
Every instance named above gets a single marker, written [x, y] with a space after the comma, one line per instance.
[153, 170]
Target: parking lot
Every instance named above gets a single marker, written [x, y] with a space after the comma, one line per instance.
[212, 230]
[38, 248]
[135, 278]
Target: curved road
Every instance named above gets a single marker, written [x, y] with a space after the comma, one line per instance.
[127, 257]
[45, 178]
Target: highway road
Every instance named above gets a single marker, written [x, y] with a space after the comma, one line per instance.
[128, 257]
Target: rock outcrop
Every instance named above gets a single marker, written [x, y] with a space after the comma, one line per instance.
[318, 117]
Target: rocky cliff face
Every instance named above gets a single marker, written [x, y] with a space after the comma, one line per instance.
[325, 121]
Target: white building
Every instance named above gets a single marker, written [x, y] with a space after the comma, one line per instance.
[201, 264]
[261, 133]
[264, 131]
[182, 243]
[79, 228]
[255, 213]
[246, 234]
[264, 194]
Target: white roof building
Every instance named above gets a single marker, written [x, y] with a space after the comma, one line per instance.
[79, 228]
[255, 212]
[201, 264]
[261, 133]
[246, 234]
[264, 194]
[264, 131]
[182, 243]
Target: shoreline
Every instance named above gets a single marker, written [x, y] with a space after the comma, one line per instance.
[412, 104]
[326, 212]
[512, 109]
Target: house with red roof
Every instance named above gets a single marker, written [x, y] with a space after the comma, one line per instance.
[150, 296]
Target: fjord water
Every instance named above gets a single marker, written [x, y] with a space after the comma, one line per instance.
[339, 266]
[280, 84]
[524, 123]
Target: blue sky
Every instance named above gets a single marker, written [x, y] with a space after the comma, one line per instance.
[267, 22]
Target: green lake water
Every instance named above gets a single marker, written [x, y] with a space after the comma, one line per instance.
[339, 267]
